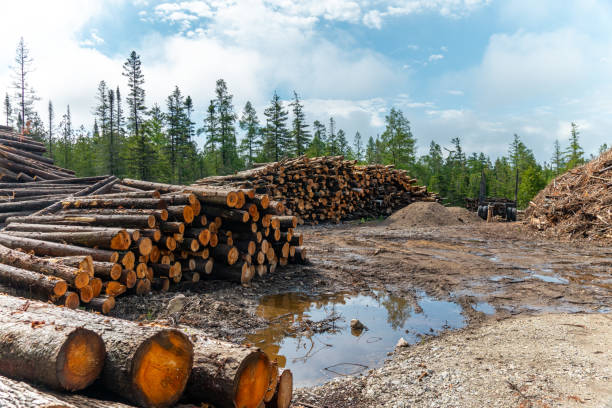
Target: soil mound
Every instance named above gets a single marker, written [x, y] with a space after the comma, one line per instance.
[464, 215]
[576, 205]
[428, 214]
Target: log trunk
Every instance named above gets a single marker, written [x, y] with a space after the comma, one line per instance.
[55, 249]
[124, 221]
[73, 276]
[146, 365]
[37, 283]
[284, 391]
[36, 350]
[227, 375]
[103, 239]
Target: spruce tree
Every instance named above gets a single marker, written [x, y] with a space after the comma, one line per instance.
[24, 92]
[211, 127]
[176, 119]
[112, 139]
[137, 154]
[574, 155]
[67, 136]
[251, 143]
[371, 151]
[299, 133]
[317, 145]
[277, 141]
[398, 142]
[331, 142]
[8, 109]
[358, 147]
[227, 129]
[50, 130]
[343, 146]
[557, 159]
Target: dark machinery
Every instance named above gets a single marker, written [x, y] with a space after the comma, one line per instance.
[502, 207]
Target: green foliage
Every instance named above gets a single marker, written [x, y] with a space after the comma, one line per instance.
[397, 140]
[277, 140]
[299, 133]
[250, 147]
[574, 153]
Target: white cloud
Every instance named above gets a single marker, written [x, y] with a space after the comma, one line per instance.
[435, 57]
[455, 92]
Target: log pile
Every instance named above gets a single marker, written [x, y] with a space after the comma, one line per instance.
[147, 365]
[575, 205]
[89, 250]
[329, 188]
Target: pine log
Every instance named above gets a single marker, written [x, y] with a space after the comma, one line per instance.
[82, 263]
[149, 366]
[54, 248]
[28, 281]
[149, 185]
[284, 391]
[103, 239]
[227, 375]
[69, 300]
[124, 221]
[142, 203]
[44, 266]
[33, 348]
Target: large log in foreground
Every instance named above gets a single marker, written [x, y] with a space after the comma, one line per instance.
[44, 352]
[146, 365]
[228, 375]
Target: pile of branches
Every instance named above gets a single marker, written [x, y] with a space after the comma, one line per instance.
[148, 365]
[329, 188]
[89, 250]
[577, 204]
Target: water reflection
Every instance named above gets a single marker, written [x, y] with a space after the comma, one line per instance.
[312, 335]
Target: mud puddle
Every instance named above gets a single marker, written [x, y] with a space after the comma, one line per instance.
[313, 337]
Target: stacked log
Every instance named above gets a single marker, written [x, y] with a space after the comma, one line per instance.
[328, 188]
[151, 366]
[145, 239]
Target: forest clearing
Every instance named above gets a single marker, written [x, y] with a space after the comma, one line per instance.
[305, 204]
[213, 294]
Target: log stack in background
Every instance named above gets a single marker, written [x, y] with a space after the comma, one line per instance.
[89, 250]
[329, 188]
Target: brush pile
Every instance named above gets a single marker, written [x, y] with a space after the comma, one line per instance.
[577, 204]
[329, 188]
[89, 250]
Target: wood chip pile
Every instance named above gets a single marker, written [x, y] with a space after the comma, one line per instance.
[329, 188]
[577, 204]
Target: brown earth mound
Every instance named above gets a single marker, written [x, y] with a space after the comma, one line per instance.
[426, 214]
[576, 205]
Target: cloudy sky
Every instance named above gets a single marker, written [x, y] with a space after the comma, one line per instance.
[480, 70]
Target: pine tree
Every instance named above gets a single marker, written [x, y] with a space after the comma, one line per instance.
[112, 137]
[574, 155]
[251, 143]
[358, 147]
[277, 141]
[51, 117]
[371, 151]
[299, 133]
[557, 159]
[67, 136]
[398, 142]
[119, 119]
[227, 130]
[8, 109]
[153, 127]
[317, 145]
[136, 98]
[211, 127]
[343, 145]
[176, 119]
[24, 92]
[331, 142]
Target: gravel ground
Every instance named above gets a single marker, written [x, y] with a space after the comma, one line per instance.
[555, 360]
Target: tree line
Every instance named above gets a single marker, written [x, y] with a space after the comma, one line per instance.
[158, 143]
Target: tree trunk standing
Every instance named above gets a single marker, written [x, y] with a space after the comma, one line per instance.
[147, 365]
[40, 351]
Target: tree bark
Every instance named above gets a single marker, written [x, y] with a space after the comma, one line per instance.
[146, 365]
[45, 266]
[124, 221]
[103, 239]
[55, 249]
[46, 352]
[28, 281]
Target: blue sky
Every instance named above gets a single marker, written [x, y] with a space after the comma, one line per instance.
[480, 70]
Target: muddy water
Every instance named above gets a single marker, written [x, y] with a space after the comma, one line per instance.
[312, 335]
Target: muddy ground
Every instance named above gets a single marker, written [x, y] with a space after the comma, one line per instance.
[500, 264]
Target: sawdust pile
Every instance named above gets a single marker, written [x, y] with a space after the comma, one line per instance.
[577, 204]
[426, 214]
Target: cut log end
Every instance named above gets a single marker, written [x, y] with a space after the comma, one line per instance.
[161, 368]
[252, 381]
[284, 389]
[59, 288]
[81, 279]
[80, 359]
